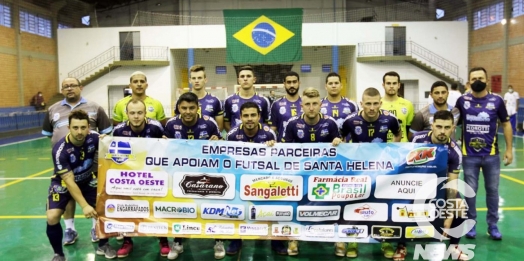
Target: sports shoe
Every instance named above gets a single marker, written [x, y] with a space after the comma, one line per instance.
[278, 247]
[352, 250]
[234, 247]
[340, 249]
[125, 249]
[120, 236]
[400, 253]
[94, 237]
[387, 249]
[292, 248]
[58, 257]
[70, 237]
[457, 253]
[472, 233]
[175, 250]
[494, 233]
[164, 248]
[219, 250]
[107, 251]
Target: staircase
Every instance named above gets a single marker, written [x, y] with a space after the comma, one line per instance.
[116, 57]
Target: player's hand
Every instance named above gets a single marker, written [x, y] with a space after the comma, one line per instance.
[447, 225]
[270, 143]
[336, 141]
[102, 136]
[508, 157]
[214, 137]
[89, 212]
[164, 137]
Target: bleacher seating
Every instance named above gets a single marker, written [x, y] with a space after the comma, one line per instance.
[20, 118]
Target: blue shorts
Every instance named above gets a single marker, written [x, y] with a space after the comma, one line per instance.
[59, 196]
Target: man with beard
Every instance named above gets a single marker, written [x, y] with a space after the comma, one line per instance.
[334, 104]
[398, 106]
[251, 130]
[209, 104]
[287, 106]
[424, 117]
[480, 112]
[138, 125]
[246, 80]
[55, 126]
[138, 84]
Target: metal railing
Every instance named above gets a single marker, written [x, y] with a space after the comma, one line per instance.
[115, 53]
[407, 48]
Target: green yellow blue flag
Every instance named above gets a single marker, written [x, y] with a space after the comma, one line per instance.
[263, 35]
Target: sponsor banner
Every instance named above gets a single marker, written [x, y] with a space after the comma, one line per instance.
[286, 230]
[122, 227]
[117, 208]
[198, 185]
[403, 186]
[222, 211]
[386, 232]
[352, 231]
[271, 187]
[153, 227]
[253, 229]
[319, 231]
[162, 209]
[220, 229]
[366, 211]
[186, 228]
[420, 232]
[412, 212]
[270, 213]
[136, 183]
[318, 213]
[339, 188]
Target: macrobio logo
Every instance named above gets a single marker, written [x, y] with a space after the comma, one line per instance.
[444, 207]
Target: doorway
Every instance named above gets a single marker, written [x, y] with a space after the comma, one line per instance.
[395, 40]
[115, 93]
[129, 46]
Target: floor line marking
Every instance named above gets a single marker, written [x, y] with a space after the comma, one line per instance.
[30, 176]
[24, 141]
[22, 158]
[25, 178]
[511, 170]
[512, 179]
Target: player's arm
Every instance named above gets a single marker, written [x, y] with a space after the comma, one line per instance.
[167, 130]
[409, 117]
[335, 133]
[503, 116]
[288, 132]
[227, 115]
[272, 138]
[220, 121]
[47, 127]
[274, 117]
[416, 125]
[74, 190]
[118, 116]
[265, 112]
[214, 130]
[396, 129]
[102, 121]
[346, 129]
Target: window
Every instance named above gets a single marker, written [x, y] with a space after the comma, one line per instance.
[63, 26]
[518, 8]
[35, 24]
[462, 18]
[440, 13]
[5, 15]
[488, 16]
[86, 20]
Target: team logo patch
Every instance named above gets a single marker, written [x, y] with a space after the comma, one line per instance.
[282, 110]
[150, 109]
[266, 128]
[72, 158]
[358, 130]
[56, 116]
[383, 128]
[178, 135]
[385, 113]
[323, 110]
[234, 107]
[467, 105]
[490, 106]
[404, 110]
[120, 152]
[300, 133]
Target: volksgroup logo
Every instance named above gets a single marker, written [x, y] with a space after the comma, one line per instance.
[222, 211]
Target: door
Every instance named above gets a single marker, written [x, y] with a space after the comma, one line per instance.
[129, 46]
[410, 92]
[115, 93]
[395, 40]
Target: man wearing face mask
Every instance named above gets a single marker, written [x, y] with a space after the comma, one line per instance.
[511, 98]
[480, 111]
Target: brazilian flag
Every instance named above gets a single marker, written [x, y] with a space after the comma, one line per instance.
[263, 35]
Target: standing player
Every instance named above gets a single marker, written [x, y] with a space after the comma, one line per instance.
[138, 125]
[371, 124]
[246, 79]
[74, 162]
[400, 107]
[287, 106]
[424, 117]
[251, 130]
[138, 85]
[190, 125]
[442, 129]
[55, 126]
[209, 104]
[310, 126]
[511, 98]
[334, 104]
[480, 112]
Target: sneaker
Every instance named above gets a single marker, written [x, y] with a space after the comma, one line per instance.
[175, 250]
[107, 251]
[234, 247]
[120, 237]
[400, 253]
[352, 250]
[472, 233]
[457, 254]
[125, 249]
[387, 249]
[292, 248]
[164, 248]
[58, 257]
[340, 249]
[94, 237]
[278, 247]
[219, 250]
[494, 233]
[70, 237]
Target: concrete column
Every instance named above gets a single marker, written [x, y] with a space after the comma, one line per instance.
[505, 44]
[18, 42]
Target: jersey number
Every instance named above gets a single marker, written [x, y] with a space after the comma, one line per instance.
[312, 136]
[335, 113]
[371, 132]
[293, 112]
[190, 137]
[56, 197]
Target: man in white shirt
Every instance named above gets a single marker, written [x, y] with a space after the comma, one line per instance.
[511, 98]
[453, 95]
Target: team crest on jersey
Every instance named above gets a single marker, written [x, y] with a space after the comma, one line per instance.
[323, 110]
[178, 135]
[91, 148]
[386, 113]
[490, 106]
[282, 110]
[56, 116]
[358, 130]
[326, 117]
[203, 134]
[72, 158]
[300, 133]
[404, 110]
[234, 107]
[266, 128]
[150, 109]
[324, 132]
[120, 152]
[467, 105]
[383, 128]
[205, 117]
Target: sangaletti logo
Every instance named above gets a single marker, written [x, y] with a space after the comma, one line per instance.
[204, 185]
[386, 232]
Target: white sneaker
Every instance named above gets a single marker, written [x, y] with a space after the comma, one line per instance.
[176, 249]
[120, 236]
[220, 252]
[340, 249]
[457, 254]
[292, 248]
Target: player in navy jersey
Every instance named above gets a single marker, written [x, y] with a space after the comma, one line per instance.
[334, 104]
[480, 112]
[246, 79]
[442, 129]
[209, 104]
[371, 124]
[74, 165]
[288, 106]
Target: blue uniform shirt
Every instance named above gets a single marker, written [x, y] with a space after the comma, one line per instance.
[264, 134]
[454, 154]
[340, 110]
[210, 105]
[357, 129]
[152, 129]
[78, 159]
[298, 131]
[234, 102]
[281, 111]
[203, 129]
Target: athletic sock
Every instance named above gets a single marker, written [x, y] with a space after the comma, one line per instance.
[54, 233]
[94, 222]
[70, 223]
